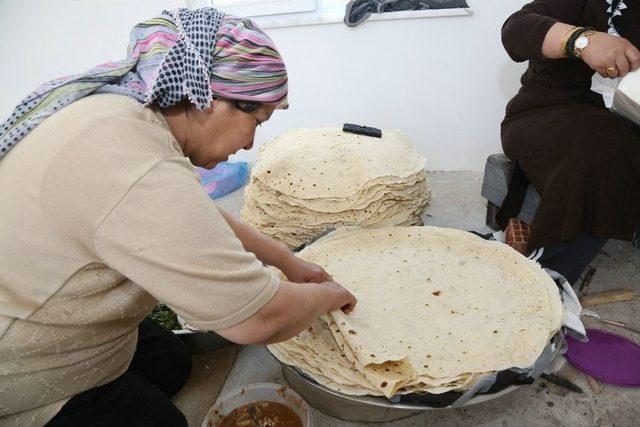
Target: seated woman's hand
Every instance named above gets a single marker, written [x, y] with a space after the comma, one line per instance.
[300, 271]
[611, 56]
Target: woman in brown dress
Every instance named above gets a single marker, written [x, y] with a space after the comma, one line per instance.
[582, 159]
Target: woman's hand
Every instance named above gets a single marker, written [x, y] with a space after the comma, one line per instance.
[611, 56]
[341, 299]
[301, 271]
[293, 308]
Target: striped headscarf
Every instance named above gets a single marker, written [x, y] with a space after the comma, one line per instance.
[182, 54]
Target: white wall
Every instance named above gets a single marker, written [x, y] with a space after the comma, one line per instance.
[44, 39]
[443, 81]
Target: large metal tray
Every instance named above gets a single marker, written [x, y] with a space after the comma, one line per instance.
[379, 409]
[363, 408]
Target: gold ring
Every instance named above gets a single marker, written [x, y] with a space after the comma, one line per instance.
[612, 70]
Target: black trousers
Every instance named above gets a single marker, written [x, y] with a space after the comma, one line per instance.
[571, 257]
[568, 258]
[140, 397]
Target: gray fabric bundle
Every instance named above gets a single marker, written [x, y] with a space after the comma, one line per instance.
[358, 11]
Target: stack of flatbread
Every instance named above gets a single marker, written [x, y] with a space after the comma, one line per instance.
[310, 180]
[437, 310]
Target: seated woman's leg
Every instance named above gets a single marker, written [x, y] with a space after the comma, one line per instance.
[140, 397]
[585, 164]
[161, 358]
[571, 257]
[128, 401]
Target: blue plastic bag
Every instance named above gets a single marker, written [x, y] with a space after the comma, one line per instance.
[224, 178]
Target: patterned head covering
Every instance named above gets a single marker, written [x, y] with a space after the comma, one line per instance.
[194, 54]
[247, 66]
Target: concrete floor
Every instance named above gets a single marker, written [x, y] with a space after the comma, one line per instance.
[457, 203]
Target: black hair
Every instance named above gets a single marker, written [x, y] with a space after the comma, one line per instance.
[247, 106]
[244, 106]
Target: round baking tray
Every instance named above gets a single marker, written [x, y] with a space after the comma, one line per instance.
[377, 409]
[370, 409]
[380, 409]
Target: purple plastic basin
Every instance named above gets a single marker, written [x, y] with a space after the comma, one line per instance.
[608, 357]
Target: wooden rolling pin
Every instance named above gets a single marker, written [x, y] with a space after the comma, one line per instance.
[615, 295]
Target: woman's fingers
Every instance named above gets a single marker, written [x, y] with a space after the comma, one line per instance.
[602, 71]
[633, 55]
[342, 298]
[622, 65]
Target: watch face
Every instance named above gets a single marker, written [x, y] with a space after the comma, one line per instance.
[582, 42]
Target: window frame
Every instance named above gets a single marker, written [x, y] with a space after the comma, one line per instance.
[256, 8]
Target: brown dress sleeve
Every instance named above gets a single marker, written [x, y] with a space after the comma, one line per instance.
[525, 30]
